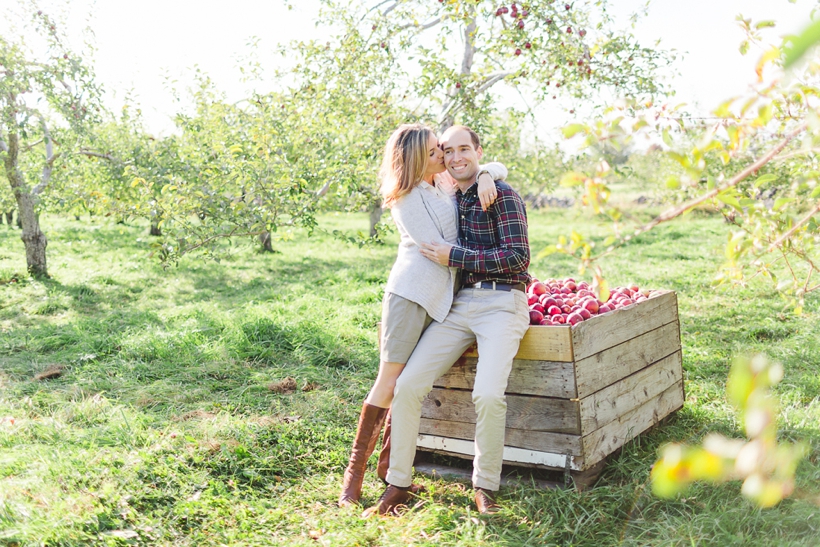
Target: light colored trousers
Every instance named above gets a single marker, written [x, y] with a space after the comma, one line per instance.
[496, 320]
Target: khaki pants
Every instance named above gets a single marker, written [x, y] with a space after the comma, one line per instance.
[496, 320]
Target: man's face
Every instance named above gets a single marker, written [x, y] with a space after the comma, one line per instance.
[460, 156]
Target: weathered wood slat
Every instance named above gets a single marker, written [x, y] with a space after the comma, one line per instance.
[606, 440]
[543, 378]
[607, 367]
[512, 456]
[604, 331]
[542, 441]
[523, 412]
[608, 404]
[553, 343]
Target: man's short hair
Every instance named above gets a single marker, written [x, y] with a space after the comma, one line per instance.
[473, 134]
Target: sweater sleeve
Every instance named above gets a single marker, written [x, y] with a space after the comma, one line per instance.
[412, 218]
[496, 170]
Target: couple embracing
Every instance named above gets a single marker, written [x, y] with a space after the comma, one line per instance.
[459, 277]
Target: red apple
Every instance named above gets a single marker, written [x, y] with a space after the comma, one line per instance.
[604, 309]
[538, 289]
[537, 307]
[566, 308]
[554, 310]
[560, 319]
[532, 299]
[536, 317]
[591, 306]
[574, 318]
[547, 301]
[584, 313]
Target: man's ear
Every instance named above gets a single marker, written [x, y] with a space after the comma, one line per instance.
[480, 152]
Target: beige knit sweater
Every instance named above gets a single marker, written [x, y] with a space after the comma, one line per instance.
[427, 215]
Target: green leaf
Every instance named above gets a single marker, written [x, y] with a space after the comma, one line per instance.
[547, 251]
[765, 114]
[763, 179]
[765, 24]
[573, 129]
[730, 200]
[672, 182]
[780, 202]
[800, 44]
[815, 192]
[572, 179]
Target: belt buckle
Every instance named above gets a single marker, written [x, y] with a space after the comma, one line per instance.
[480, 285]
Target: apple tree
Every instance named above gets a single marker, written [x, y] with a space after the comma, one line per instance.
[756, 162]
[444, 61]
[47, 98]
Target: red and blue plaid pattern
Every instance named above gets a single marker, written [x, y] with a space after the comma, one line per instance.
[492, 245]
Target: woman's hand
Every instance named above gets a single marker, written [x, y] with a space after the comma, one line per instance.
[487, 191]
[437, 252]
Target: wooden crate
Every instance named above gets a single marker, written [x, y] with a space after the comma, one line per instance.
[575, 394]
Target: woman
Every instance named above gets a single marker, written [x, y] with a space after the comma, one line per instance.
[418, 290]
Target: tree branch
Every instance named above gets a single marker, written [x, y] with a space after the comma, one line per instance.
[32, 145]
[377, 6]
[794, 229]
[93, 154]
[734, 181]
[491, 81]
[3, 146]
[50, 157]
[388, 10]
[323, 190]
[424, 26]
[446, 117]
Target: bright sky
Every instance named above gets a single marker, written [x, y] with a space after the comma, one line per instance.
[141, 46]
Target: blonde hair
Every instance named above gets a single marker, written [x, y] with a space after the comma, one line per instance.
[404, 162]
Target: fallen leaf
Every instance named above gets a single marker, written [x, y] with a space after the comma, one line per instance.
[53, 371]
[288, 385]
[310, 386]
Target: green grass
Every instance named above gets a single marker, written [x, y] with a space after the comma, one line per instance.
[162, 429]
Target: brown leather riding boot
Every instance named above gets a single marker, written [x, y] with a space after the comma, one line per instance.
[384, 455]
[391, 502]
[367, 433]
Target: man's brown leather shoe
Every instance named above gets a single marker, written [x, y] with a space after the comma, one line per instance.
[485, 501]
[390, 501]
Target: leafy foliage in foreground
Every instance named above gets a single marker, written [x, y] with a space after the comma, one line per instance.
[171, 422]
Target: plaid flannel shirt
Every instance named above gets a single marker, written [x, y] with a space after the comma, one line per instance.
[492, 245]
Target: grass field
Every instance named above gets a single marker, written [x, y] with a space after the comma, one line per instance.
[165, 426]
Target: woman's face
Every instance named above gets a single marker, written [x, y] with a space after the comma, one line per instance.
[435, 158]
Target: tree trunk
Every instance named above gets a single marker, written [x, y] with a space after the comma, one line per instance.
[10, 217]
[375, 215]
[33, 238]
[155, 229]
[265, 239]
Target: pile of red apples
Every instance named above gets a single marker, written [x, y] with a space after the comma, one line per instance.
[565, 302]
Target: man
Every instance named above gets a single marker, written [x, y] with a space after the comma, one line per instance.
[490, 309]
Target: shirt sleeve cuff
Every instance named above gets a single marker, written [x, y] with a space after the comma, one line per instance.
[457, 257]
